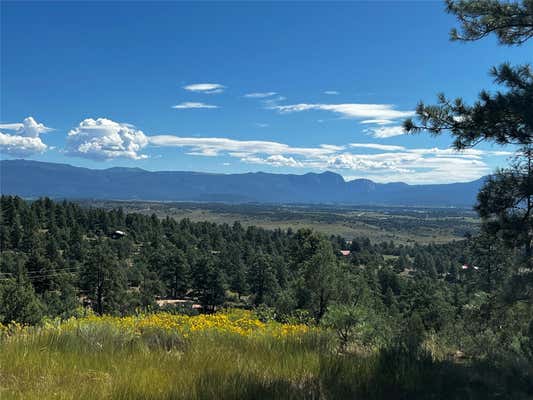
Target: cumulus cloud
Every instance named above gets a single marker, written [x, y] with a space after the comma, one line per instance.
[350, 110]
[27, 128]
[20, 146]
[104, 139]
[23, 138]
[260, 95]
[208, 88]
[190, 104]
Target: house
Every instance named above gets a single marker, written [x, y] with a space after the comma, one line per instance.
[118, 234]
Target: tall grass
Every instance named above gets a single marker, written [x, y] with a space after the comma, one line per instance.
[105, 361]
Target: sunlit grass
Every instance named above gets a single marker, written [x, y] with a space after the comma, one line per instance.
[229, 355]
[158, 356]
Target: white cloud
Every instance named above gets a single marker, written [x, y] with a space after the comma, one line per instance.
[377, 121]
[24, 140]
[20, 146]
[190, 104]
[391, 163]
[273, 101]
[213, 146]
[377, 146]
[106, 139]
[103, 139]
[276, 160]
[350, 110]
[27, 128]
[260, 95]
[208, 88]
[261, 125]
[331, 92]
[386, 132]
[409, 167]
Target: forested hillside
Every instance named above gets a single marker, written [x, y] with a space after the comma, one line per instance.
[59, 256]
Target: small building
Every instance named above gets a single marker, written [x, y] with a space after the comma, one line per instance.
[118, 234]
[345, 253]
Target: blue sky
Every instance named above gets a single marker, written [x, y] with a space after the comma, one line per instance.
[237, 87]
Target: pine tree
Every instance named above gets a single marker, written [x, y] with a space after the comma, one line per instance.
[103, 279]
[506, 118]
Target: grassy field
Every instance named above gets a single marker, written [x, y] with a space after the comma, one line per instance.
[399, 224]
[229, 355]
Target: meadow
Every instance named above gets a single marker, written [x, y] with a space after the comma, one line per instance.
[403, 225]
[227, 355]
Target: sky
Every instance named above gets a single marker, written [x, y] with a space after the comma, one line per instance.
[240, 87]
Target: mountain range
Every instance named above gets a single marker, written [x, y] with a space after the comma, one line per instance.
[32, 179]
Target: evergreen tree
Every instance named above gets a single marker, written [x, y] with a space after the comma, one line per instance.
[18, 302]
[262, 278]
[512, 22]
[506, 118]
[103, 279]
[320, 274]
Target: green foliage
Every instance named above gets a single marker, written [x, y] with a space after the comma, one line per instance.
[512, 22]
[18, 302]
[527, 343]
[294, 276]
[505, 202]
[345, 321]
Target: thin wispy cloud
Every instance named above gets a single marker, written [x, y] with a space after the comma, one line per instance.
[23, 138]
[377, 121]
[272, 102]
[350, 110]
[207, 88]
[213, 146]
[259, 95]
[331, 92]
[192, 104]
[377, 146]
[386, 132]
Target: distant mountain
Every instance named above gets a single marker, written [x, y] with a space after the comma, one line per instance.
[33, 179]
